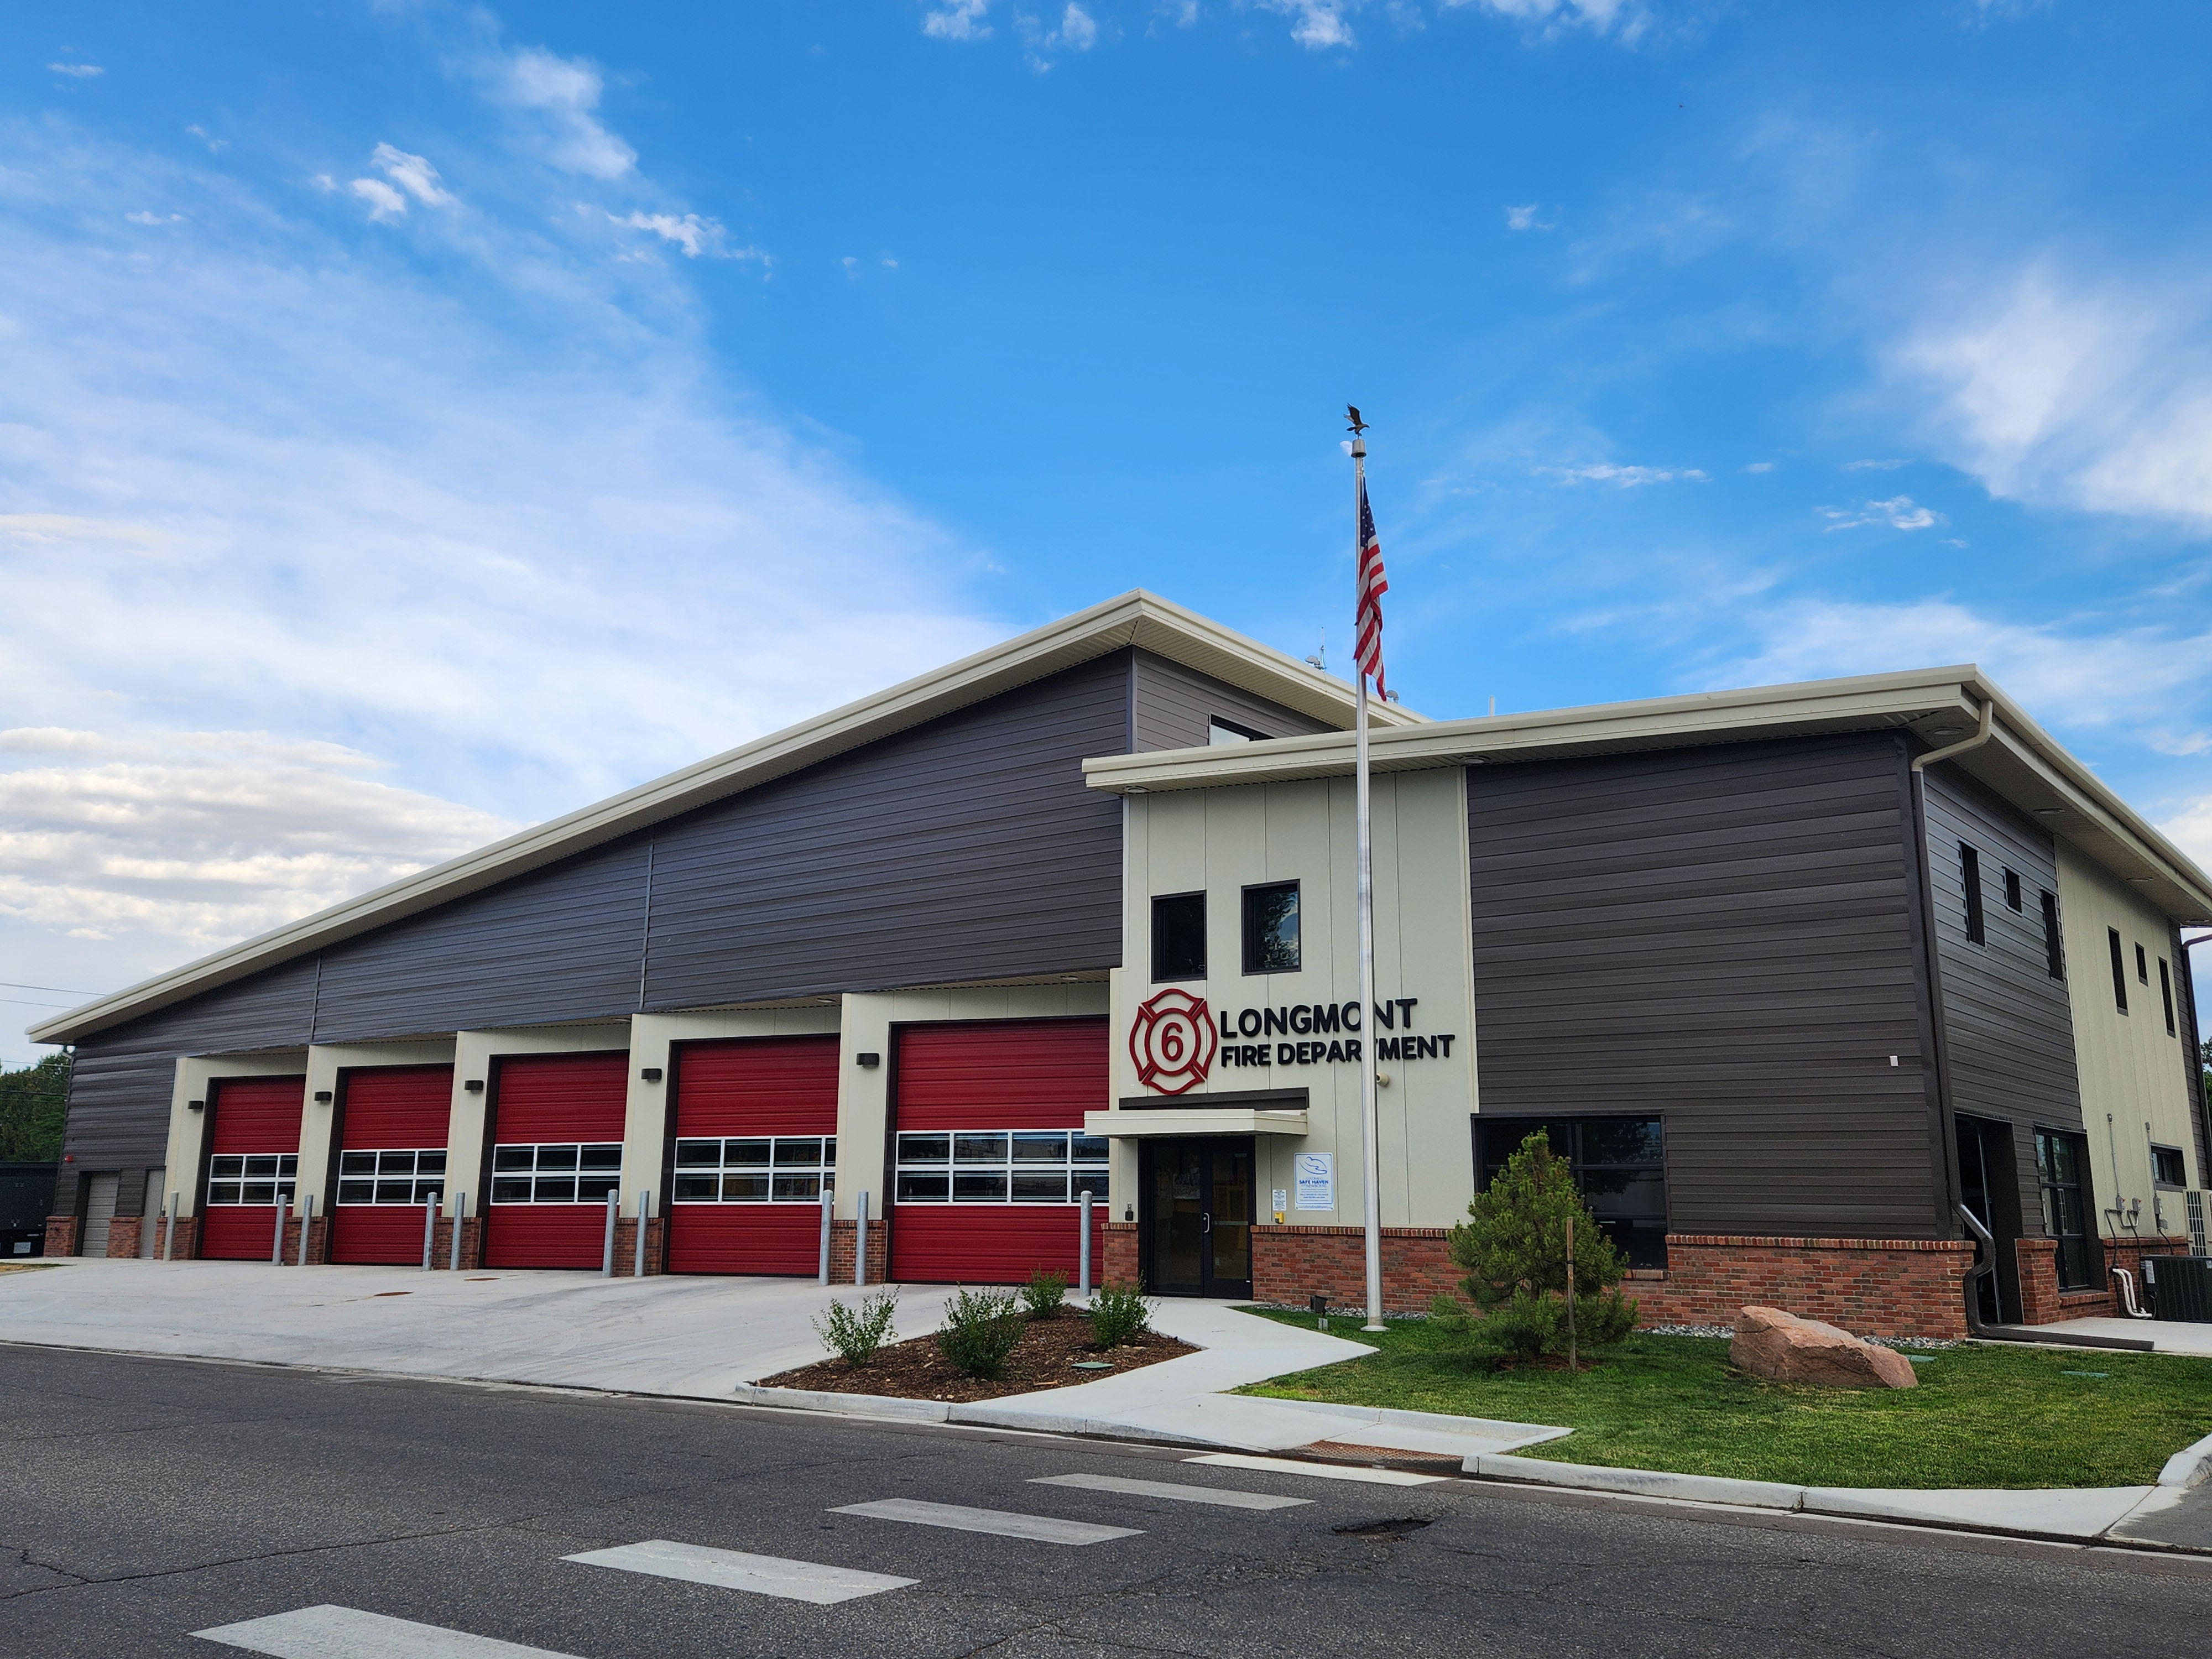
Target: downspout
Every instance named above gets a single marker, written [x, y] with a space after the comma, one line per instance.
[1953, 1185]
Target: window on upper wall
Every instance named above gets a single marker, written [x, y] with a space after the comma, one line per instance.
[2054, 955]
[1970, 881]
[2167, 1168]
[2143, 965]
[1271, 929]
[1179, 936]
[2166, 994]
[2119, 970]
[2012, 889]
[1219, 730]
[2061, 1166]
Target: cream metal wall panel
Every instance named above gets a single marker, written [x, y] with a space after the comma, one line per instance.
[967, 849]
[1172, 707]
[190, 1079]
[1722, 938]
[2134, 1084]
[1221, 841]
[319, 1123]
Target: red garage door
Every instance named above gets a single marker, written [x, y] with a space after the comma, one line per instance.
[391, 1160]
[756, 1134]
[991, 1150]
[254, 1156]
[557, 1153]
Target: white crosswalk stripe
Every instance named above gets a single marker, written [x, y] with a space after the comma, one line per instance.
[334, 1633]
[1003, 1523]
[758, 1575]
[1222, 1497]
[1318, 1471]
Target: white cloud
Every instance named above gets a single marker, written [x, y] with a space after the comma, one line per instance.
[204, 837]
[957, 19]
[383, 201]
[412, 174]
[2191, 829]
[2061, 391]
[693, 234]
[1873, 467]
[1524, 218]
[1628, 478]
[1760, 466]
[216, 146]
[1898, 513]
[1316, 25]
[1626, 20]
[80, 71]
[324, 182]
[155, 218]
[1077, 32]
[561, 95]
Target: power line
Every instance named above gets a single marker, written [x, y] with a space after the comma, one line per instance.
[58, 990]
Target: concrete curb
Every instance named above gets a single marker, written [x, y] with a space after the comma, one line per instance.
[1643, 1483]
[982, 1414]
[2189, 1466]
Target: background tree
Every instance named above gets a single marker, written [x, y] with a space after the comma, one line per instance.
[34, 1101]
[1513, 1247]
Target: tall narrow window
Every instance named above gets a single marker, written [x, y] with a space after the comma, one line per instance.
[1970, 878]
[2166, 994]
[2119, 970]
[2143, 965]
[2012, 889]
[2054, 958]
[2059, 1161]
[1179, 936]
[1271, 929]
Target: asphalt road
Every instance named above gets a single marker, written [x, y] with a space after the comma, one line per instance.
[144, 1499]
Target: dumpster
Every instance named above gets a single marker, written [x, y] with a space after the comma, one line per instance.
[27, 1197]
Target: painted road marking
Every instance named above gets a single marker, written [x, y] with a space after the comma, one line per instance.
[759, 1575]
[1045, 1529]
[331, 1633]
[1319, 1471]
[1180, 1493]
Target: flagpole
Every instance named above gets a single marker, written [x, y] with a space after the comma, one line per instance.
[1370, 1127]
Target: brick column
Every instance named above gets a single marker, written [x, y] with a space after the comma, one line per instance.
[62, 1233]
[122, 1234]
[1120, 1266]
[840, 1251]
[656, 1245]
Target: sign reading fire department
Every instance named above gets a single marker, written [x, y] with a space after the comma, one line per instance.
[1173, 1041]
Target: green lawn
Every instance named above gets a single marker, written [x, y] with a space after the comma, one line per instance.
[1983, 1415]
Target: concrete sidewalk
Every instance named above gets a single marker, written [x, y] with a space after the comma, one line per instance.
[2164, 1335]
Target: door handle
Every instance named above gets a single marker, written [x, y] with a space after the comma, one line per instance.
[1205, 1221]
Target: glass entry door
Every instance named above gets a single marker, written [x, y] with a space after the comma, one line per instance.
[1197, 1221]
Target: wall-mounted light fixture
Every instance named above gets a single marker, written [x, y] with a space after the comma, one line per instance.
[474, 1085]
[323, 1097]
[195, 1105]
[869, 1060]
[651, 1075]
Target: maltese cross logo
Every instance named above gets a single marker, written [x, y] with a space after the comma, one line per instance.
[1173, 1041]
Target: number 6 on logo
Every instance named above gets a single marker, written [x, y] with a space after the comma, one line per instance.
[1173, 1041]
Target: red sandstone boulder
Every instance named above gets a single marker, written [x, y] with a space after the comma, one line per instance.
[1780, 1345]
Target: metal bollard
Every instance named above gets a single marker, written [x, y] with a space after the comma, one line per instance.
[170, 1232]
[828, 1206]
[306, 1225]
[607, 1258]
[644, 1215]
[276, 1245]
[429, 1233]
[1083, 1252]
[861, 1240]
[460, 1209]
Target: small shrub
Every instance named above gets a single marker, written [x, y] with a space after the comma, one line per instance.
[981, 1329]
[1044, 1295]
[854, 1334]
[1118, 1313]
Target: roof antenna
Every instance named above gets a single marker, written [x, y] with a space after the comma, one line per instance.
[1320, 658]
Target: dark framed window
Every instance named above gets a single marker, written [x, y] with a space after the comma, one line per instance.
[389, 1177]
[2166, 994]
[1271, 929]
[1179, 936]
[1219, 731]
[2167, 1168]
[1618, 1163]
[2143, 965]
[1970, 881]
[2054, 955]
[2119, 970]
[2012, 889]
[2060, 1170]
[530, 1173]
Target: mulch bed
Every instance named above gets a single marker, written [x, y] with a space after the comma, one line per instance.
[1046, 1359]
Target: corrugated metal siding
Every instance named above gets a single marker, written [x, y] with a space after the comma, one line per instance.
[2007, 1025]
[257, 1113]
[966, 849]
[1720, 936]
[556, 1097]
[120, 1087]
[992, 1243]
[758, 1086]
[396, 1106]
[1001, 1074]
[1171, 707]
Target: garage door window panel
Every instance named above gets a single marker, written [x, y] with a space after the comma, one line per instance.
[252, 1177]
[755, 1169]
[392, 1177]
[556, 1173]
[987, 1166]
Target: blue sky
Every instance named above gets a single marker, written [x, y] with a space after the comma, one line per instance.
[418, 420]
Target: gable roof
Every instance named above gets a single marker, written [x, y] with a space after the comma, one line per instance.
[2020, 762]
[1137, 619]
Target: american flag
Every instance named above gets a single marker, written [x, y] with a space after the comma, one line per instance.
[1367, 643]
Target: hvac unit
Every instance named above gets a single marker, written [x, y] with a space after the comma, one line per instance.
[2180, 1287]
[2193, 1202]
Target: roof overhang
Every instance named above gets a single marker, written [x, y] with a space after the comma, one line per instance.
[1138, 619]
[1939, 706]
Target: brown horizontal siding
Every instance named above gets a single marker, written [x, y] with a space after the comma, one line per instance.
[1720, 937]
[1172, 707]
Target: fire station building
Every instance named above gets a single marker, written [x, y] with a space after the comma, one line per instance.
[1811, 983]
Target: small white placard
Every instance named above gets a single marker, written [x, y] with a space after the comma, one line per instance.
[1316, 1181]
[1282, 1202]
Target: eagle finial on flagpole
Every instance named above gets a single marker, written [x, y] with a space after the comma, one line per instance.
[1358, 426]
